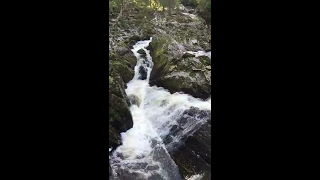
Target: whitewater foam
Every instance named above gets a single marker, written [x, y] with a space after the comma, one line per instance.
[200, 53]
[143, 152]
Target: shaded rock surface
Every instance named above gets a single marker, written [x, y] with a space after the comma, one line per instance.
[141, 51]
[162, 168]
[189, 123]
[120, 119]
[194, 157]
[134, 100]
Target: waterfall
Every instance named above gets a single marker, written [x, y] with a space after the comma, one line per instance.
[161, 121]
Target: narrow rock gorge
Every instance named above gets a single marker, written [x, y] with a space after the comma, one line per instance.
[159, 90]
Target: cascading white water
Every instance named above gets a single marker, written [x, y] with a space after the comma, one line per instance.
[143, 153]
[195, 177]
[200, 53]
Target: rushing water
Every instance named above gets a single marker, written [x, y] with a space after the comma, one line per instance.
[195, 177]
[200, 53]
[160, 123]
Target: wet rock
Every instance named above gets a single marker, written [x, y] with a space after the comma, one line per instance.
[161, 155]
[161, 161]
[141, 51]
[189, 122]
[114, 136]
[194, 157]
[134, 100]
[110, 170]
[143, 73]
[120, 119]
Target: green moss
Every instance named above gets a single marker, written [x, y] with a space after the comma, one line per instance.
[122, 44]
[192, 74]
[205, 60]
[159, 49]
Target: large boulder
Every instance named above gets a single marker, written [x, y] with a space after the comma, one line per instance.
[194, 157]
[174, 68]
[190, 121]
[178, 72]
[123, 65]
[120, 119]
[134, 100]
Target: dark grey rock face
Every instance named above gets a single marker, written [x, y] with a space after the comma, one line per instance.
[161, 167]
[194, 157]
[143, 73]
[189, 122]
[134, 100]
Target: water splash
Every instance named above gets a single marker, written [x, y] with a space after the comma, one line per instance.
[195, 177]
[200, 53]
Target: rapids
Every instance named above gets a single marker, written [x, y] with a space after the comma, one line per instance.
[160, 123]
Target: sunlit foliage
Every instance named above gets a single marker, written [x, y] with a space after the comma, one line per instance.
[120, 6]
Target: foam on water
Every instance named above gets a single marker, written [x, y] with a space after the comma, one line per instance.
[200, 53]
[142, 45]
[164, 111]
[142, 151]
[195, 177]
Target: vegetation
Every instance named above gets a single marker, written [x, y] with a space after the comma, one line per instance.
[118, 7]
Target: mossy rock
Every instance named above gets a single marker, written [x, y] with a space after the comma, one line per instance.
[205, 60]
[134, 100]
[160, 57]
[114, 136]
[124, 71]
[123, 65]
[120, 119]
[131, 59]
[192, 81]
[186, 55]
[141, 51]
